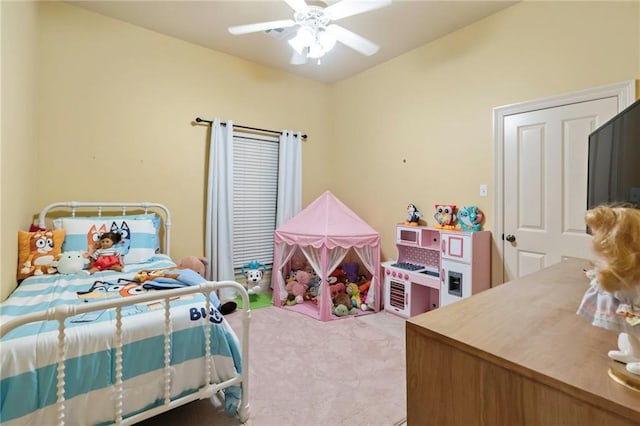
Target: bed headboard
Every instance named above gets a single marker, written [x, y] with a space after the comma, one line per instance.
[98, 209]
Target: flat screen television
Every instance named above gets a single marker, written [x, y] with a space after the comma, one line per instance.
[614, 160]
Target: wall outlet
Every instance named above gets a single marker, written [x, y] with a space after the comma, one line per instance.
[483, 190]
[634, 195]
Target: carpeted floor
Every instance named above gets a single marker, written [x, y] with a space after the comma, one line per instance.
[307, 372]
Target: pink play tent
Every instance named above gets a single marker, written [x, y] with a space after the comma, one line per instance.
[325, 232]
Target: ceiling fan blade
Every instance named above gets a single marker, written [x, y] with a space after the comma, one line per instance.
[353, 40]
[261, 26]
[298, 59]
[345, 8]
[297, 5]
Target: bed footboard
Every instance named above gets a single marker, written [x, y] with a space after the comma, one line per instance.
[165, 297]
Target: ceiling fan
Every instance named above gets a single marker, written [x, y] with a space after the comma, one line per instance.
[315, 34]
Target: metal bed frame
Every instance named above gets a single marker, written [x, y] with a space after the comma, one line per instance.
[61, 313]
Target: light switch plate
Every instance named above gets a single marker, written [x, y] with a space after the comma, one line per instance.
[483, 190]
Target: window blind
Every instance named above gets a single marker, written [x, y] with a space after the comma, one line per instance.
[255, 192]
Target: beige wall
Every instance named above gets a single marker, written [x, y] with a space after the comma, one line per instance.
[114, 109]
[419, 128]
[115, 103]
[18, 153]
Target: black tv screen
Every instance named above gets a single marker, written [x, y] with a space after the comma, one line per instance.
[614, 160]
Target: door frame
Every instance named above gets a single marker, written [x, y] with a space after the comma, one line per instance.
[624, 91]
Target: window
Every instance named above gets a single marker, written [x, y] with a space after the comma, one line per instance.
[255, 194]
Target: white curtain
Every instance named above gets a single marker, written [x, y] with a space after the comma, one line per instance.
[368, 256]
[282, 254]
[314, 256]
[219, 218]
[289, 177]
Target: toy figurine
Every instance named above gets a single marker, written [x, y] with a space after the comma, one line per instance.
[613, 299]
[413, 215]
[470, 218]
[445, 215]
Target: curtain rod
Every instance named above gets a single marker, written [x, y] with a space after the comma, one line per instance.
[209, 122]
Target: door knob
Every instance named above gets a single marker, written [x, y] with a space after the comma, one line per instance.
[510, 238]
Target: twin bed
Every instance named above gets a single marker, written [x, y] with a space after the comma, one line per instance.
[122, 352]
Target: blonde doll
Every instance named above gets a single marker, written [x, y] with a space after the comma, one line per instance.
[613, 299]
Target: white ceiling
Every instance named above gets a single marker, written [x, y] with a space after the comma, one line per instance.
[398, 28]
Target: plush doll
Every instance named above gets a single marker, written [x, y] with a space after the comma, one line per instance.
[613, 298]
[199, 265]
[71, 262]
[106, 256]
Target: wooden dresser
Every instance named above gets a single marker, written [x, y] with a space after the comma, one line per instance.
[516, 354]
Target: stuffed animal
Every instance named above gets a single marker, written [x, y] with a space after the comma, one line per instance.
[342, 305]
[445, 215]
[350, 269]
[314, 287]
[253, 274]
[199, 264]
[336, 289]
[413, 215]
[470, 218]
[195, 263]
[342, 310]
[295, 292]
[354, 293]
[71, 262]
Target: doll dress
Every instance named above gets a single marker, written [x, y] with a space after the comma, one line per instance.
[604, 309]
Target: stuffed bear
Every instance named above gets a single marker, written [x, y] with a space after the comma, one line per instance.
[199, 264]
[295, 292]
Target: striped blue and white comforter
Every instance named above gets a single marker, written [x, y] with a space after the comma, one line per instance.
[28, 353]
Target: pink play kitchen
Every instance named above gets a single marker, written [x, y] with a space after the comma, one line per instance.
[435, 267]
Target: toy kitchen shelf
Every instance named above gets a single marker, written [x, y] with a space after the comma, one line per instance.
[435, 267]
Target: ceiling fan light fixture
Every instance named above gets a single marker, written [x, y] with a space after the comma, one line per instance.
[316, 51]
[307, 35]
[326, 40]
[297, 44]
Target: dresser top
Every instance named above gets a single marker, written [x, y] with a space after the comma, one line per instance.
[530, 326]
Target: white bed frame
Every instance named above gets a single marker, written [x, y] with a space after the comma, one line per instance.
[60, 313]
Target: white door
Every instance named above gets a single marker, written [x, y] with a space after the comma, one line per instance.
[545, 183]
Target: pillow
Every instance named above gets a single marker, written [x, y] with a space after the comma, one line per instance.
[37, 251]
[157, 222]
[139, 238]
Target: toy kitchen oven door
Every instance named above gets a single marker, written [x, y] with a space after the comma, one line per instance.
[465, 265]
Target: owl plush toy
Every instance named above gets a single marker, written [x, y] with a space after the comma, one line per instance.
[445, 215]
[470, 218]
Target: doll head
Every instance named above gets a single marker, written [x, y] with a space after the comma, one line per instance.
[616, 243]
[108, 239]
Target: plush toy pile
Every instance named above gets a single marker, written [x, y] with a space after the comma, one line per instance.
[348, 288]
